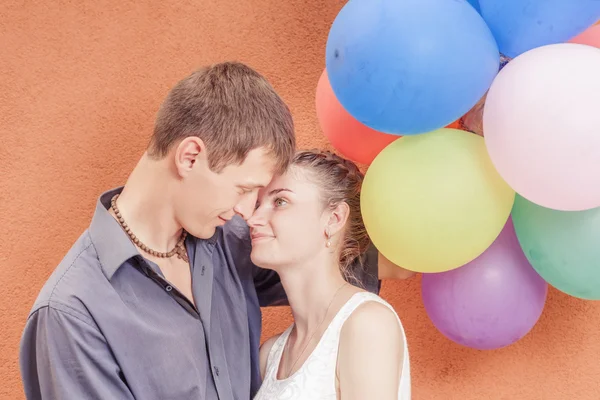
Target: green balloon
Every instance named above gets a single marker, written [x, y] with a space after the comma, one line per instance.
[562, 246]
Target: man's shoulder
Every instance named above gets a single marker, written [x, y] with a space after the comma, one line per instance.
[76, 275]
[235, 236]
[237, 229]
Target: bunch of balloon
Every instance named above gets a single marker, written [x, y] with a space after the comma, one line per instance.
[400, 76]
[559, 226]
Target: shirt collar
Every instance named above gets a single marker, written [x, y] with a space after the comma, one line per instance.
[112, 243]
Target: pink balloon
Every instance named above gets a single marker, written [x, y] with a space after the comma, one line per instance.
[542, 126]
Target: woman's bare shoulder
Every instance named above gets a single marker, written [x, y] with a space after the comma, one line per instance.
[372, 320]
[371, 353]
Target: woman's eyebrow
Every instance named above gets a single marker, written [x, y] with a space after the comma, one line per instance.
[275, 191]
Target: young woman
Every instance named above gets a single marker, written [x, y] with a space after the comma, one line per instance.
[345, 343]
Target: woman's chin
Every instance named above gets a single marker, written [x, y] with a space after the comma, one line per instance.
[261, 258]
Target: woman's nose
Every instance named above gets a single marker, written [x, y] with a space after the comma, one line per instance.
[256, 219]
[245, 207]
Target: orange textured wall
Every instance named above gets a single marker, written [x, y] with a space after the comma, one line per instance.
[79, 85]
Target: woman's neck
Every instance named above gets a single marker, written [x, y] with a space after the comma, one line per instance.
[311, 289]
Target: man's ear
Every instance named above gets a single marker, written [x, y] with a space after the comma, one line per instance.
[338, 218]
[190, 152]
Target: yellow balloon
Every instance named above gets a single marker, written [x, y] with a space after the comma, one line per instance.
[433, 202]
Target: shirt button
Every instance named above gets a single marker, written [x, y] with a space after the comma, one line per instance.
[216, 371]
[169, 288]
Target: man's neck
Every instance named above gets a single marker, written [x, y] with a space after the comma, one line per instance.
[146, 206]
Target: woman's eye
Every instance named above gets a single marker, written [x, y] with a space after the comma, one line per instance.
[280, 202]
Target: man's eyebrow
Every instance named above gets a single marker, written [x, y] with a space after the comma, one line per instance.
[251, 185]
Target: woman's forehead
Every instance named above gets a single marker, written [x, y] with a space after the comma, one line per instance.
[294, 179]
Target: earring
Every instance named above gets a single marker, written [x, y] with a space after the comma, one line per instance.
[328, 244]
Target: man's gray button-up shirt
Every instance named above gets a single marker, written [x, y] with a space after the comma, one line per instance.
[107, 324]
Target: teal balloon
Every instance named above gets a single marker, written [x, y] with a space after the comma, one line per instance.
[562, 246]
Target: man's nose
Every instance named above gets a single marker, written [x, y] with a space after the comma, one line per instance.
[245, 207]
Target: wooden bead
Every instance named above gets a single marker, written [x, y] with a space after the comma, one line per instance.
[179, 248]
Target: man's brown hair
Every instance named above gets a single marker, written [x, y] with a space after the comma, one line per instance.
[233, 109]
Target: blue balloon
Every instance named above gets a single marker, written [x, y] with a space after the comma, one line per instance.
[475, 4]
[522, 25]
[410, 66]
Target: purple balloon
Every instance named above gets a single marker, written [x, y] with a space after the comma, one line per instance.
[489, 303]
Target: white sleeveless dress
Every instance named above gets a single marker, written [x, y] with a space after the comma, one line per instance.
[316, 378]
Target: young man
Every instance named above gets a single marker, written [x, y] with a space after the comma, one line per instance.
[158, 298]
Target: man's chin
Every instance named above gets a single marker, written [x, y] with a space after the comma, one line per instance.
[204, 233]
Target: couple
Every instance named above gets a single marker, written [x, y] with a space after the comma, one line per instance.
[160, 297]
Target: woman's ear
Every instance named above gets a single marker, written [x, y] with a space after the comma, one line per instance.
[338, 218]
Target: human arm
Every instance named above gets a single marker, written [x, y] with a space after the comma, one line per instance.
[371, 353]
[63, 355]
[389, 270]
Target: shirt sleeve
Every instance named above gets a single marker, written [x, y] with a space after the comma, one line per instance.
[63, 355]
[365, 270]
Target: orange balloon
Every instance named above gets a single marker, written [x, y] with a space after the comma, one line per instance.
[590, 36]
[454, 125]
[348, 136]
